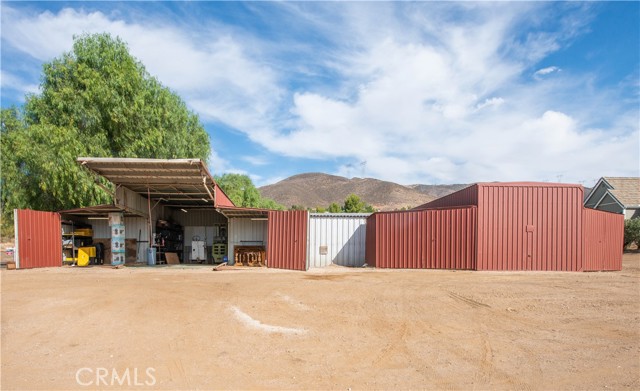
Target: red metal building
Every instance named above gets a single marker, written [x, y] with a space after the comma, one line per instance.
[517, 226]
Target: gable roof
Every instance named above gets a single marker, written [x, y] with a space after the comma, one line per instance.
[625, 189]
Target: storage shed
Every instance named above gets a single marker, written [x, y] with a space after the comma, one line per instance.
[518, 226]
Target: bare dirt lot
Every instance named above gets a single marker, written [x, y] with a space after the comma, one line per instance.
[192, 328]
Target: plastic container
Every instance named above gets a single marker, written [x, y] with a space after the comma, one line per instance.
[151, 256]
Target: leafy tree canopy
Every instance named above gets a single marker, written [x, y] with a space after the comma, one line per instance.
[334, 208]
[241, 190]
[353, 204]
[632, 232]
[96, 100]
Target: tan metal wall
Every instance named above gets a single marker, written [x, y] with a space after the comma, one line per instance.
[287, 240]
[603, 240]
[38, 238]
[529, 226]
[424, 239]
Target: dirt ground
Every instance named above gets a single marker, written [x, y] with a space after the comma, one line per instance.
[191, 328]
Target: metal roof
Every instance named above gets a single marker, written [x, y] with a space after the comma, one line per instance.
[100, 210]
[177, 183]
[237, 213]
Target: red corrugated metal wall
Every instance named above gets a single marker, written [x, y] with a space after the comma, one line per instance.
[370, 253]
[287, 240]
[463, 197]
[603, 240]
[38, 239]
[524, 226]
[426, 239]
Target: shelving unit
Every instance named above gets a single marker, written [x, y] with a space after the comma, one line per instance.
[74, 237]
[168, 239]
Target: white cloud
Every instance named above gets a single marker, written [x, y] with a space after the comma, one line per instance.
[490, 102]
[424, 92]
[546, 71]
[14, 82]
[215, 74]
[256, 160]
[455, 108]
[217, 164]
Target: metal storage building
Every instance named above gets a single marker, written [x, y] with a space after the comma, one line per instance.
[518, 226]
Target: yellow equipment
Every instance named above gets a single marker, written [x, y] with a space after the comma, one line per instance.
[85, 254]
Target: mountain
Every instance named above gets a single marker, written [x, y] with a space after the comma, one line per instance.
[438, 191]
[320, 190]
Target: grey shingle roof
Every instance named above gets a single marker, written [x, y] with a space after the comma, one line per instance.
[626, 190]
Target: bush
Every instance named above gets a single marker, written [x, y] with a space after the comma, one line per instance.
[632, 232]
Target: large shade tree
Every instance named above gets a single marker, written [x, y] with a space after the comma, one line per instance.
[96, 100]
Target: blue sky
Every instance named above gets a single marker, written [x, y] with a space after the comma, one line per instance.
[424, 92]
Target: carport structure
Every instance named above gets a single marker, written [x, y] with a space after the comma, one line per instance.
[181, 192]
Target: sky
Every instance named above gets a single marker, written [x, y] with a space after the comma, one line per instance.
[410, 92]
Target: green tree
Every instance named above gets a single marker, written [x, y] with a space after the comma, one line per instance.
[334, 208]
[353, 204]
[268, 203]
[632, 232]
[241, 190]
[96, 100]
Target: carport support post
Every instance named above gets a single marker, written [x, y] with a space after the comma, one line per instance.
[151, 243]
[116, 222]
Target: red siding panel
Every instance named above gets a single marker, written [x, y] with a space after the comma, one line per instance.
[221, 198]
[39, 239]
[287, 240]
[603, 240]
[529, 226]
[463, 197]
[425, 239]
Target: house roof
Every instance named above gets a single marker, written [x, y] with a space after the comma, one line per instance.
[625, 189]
[177, 183]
